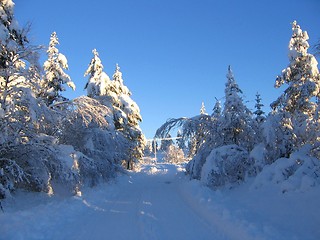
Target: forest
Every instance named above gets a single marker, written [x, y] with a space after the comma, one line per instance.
[49, 143]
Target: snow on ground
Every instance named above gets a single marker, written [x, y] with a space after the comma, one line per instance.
[159, 202]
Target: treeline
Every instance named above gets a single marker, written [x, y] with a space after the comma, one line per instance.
[48, 142]
[234, 143]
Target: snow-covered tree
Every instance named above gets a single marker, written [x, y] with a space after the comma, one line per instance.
[127, 117]
[174, 154]
[299, 101]
[216, 111]
[55, 77]
[98, 82]
[302, 76]
[259, 119]
[236, 120]
[116, 96]
[22, 114]
[203, 109]
[230, 129]
[118, 86]
[259, 113]
[16, 54]
[166, 142]
[180, 141]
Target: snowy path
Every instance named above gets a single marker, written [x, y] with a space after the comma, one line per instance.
[160, 203]
[143, 205]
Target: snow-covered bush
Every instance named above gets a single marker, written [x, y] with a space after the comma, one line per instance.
[226, 165]
[299, 172]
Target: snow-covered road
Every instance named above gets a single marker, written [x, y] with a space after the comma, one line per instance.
[141, 205]
[159, 202]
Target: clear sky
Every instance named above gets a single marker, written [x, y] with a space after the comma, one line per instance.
[174, 54]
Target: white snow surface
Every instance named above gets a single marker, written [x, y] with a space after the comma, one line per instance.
[160, 202]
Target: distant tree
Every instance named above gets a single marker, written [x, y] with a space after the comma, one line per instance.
[259, 119]
[180, 141]
[215, 139]
[203, 109]
[174, 154]
[166, 142]
[55, 77]
[216, 111]
[259, 113]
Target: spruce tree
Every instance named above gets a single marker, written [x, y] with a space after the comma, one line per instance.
[259, 113]
[236, 121]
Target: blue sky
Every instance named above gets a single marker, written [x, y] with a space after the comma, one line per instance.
[174, 54]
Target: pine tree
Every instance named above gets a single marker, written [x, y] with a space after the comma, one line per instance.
[236, 121]
[55, 77]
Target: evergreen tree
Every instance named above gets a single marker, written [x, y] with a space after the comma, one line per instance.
[302, 76]
[55, 77]
[115, 95]
[98, 81]
[117, 84]
[180, 140]
[259, 113]
[166, 142]
[215, 133]
[127, 117]
[15, 54]
[236, 121]
[216, 111]
[299, 101]
[203, 109]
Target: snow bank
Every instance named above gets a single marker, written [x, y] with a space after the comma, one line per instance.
[263, 213]
[300, 172]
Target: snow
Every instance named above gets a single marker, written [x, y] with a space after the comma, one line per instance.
[159, 202]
